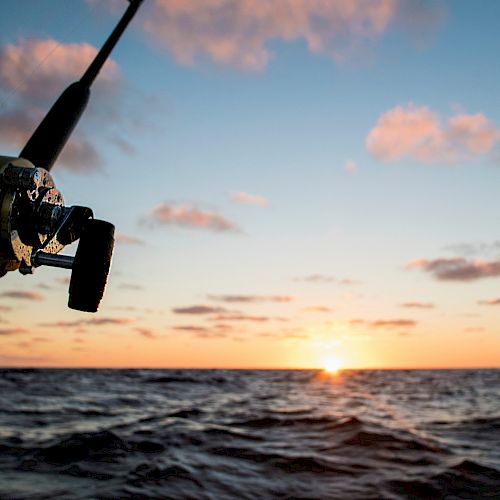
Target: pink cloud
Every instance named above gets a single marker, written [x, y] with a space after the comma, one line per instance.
[490, 302]
[90, 322]
[351, 167]
[393, 323]
[318, 309]
[190, 216]
[55, 65]
[23, 295]
[217, 331]
[12, 331]
[249, 199]
[418, 305]
[457, 268]
[146, 332]
[128, 240]
[420, 134]
[252, 298]
[240, 317]
[384, 323]
[199, 310]
[238, 33]
[33, 72]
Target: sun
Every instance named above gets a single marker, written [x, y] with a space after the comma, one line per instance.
[332, 365]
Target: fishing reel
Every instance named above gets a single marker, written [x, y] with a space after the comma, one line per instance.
[35, 226]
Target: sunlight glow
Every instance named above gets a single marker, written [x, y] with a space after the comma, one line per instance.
[332, 365]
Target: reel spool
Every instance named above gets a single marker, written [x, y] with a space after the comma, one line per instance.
[35, 225]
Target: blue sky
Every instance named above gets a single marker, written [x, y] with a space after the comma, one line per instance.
[194, 132]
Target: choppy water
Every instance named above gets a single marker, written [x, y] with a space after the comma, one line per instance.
[249, 434]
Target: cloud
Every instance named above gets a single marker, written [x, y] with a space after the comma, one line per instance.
[33, 72]
[190, 216]
[420, 134]
[146, 332]
[242, 317]
[325, 278]
[128, 240]
[191, 328]
[317, 278]
[131, 286]
[16, 359]
[418, 305]
[490, 302]
[12, 331]
[457, 268]
[392, 323]
[210, 335]
[22, 295]
[251, 298]
[55, 65]
[195, 310]
[384, 323]
[239, 33]
[318, 309]
[351, 167]
[90, 322]
[475, 249]
[216, 331]
[249, 199]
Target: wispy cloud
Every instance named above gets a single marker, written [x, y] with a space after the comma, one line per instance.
[490, 302]
[22, 295]
[12, 331]
[204, 332]
[317, 278]
[146, 332]
[351, 167]
[124, 239]
[131, 286]
[418, 305]
[318, 309]
[325, 278]
[57, 64]
[249, 199]
[420, 134]
[190, 216]
[88, 322]
[384, 323]
[238, 33]
[477, 249]
[23, 360]
[242, 317]
[457, 268]
[251, 298]
[200, 309]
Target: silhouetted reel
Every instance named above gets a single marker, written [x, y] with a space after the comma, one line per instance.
[91, 265]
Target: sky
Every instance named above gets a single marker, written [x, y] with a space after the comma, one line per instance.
[293, 182]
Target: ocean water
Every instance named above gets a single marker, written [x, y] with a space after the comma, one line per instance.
[219, 434]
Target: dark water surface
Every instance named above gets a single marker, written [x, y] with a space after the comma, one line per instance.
[249, 434]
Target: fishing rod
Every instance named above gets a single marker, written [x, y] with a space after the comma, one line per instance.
[35, 224]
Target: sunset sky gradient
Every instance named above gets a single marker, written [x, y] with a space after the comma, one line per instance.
[292, 181]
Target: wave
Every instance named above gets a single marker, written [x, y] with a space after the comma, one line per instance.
[252, 434]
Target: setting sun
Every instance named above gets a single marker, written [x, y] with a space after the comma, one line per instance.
[332, 365]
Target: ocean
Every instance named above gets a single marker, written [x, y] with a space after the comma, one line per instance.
[249, 434]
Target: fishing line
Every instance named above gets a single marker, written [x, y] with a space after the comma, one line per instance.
[68, 31]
